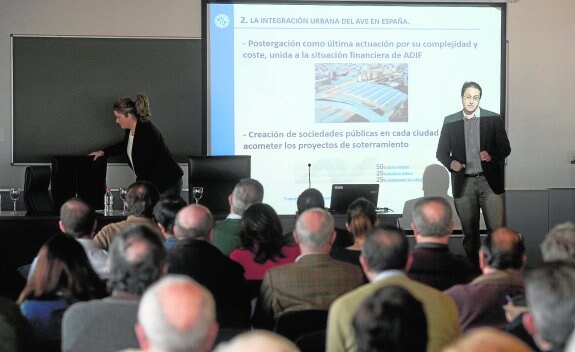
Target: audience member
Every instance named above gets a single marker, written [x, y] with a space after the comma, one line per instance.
[263, 244]
[247, 191]
[165, 212]
[257, 341]
[432, 262]
[195, 256]
[361, 217]
[78, 219]
[487, 339]
[550, 290]
[312, 198]
[559, 243]
[384, 258]
[314, 281]
[63, 275]
[390, 320]
[137, 260]
[176, 314]
[140, 201]
[480, 303]
[15, 332]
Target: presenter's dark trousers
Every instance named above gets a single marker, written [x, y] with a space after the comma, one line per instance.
[477, 195]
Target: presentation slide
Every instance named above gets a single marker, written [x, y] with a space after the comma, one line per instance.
[357, 91]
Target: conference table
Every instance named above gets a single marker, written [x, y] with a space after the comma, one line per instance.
[22, 234]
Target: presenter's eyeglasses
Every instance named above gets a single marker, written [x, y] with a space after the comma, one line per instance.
[469, 97]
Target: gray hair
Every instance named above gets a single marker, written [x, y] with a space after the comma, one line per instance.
[314, 227]
[194, 221]
[550, 291]
[432, 227]
[559, 244]
[197, 303]
[247, 191]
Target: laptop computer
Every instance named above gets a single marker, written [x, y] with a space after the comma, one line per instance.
[342, 195]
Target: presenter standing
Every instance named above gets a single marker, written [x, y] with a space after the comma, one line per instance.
[144, 146]
[473, 146]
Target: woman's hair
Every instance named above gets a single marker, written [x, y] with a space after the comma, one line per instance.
[361, 216]
[261, 232]
[138, 105]
[63, 269]
[391, 320]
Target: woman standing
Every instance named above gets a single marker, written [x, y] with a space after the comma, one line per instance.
[144, 146]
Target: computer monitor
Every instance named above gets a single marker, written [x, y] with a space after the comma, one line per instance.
[218, 176]
[342, 195]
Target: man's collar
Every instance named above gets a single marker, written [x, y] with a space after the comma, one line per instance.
[388, 274]
[476, 113]
[232, 216]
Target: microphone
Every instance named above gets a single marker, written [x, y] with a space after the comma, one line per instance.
[309, 175]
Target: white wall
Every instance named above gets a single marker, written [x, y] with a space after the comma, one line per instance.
[541, 125]
[541, 68]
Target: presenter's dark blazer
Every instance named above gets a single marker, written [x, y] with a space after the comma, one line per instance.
[153, 161]
[492, 138]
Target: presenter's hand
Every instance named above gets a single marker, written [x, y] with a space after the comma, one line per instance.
[457, 166]
[97, 154]
[484, 156]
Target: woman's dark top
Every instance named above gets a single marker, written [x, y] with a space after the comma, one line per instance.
[152, 160]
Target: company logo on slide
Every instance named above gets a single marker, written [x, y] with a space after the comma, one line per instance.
[222, 20]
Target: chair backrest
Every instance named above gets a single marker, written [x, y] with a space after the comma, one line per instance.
[78, 176]
[36, 189]
[295, 324]
[218, 175]
[312, 342]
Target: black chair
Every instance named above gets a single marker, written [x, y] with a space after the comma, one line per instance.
[312, 342]
[37, 196]
[296, 324]
[78, 176]
[218, 175]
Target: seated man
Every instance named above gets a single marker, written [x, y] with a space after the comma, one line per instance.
[177, 314]
[480, 303]
[195, 256]
[432, 262]
[165, 212]
[314, 281]
[137, 260]
[391, 306]
[140, 201]
[312, 198]
[550, 291]
[383, 259]
[79, 220]
[227, 232]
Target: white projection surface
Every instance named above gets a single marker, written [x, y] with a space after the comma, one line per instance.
[359, 91]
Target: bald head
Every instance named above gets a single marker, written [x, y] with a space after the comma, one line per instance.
[177, 314]
[503, 249]
[194, 221]
[488, 339]
[432, 217]
[314, 230]
[77, 218]
[258, 341]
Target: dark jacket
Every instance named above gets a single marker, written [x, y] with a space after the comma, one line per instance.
[492, 138]
[153, 161]
[223, 277]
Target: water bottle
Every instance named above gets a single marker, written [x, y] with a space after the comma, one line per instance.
[108, 201]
